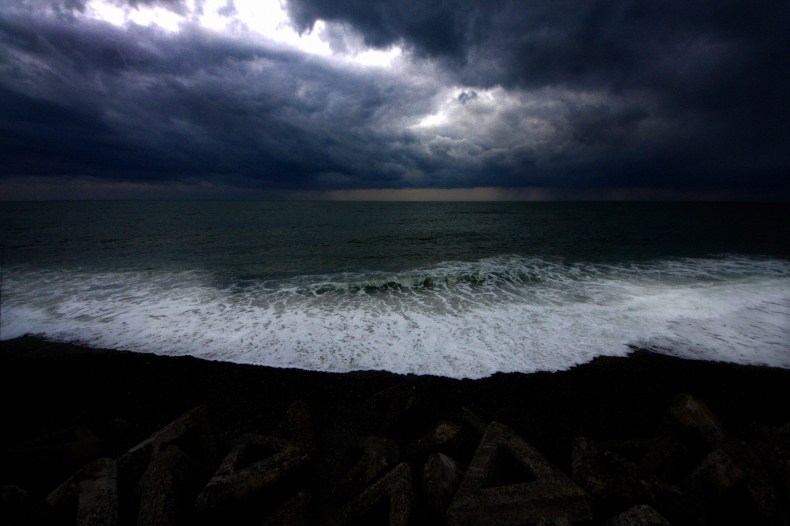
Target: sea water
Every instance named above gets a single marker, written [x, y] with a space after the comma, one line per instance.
[462, 290]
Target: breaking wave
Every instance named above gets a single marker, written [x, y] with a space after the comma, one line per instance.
[456, 319]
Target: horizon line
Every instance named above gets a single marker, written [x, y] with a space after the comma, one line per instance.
[93, 189]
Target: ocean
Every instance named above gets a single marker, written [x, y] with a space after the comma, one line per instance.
[462, 290]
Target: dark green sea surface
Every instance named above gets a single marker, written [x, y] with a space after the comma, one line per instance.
[266, 239]
[458, 289]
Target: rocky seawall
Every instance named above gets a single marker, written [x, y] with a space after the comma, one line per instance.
[117, 438]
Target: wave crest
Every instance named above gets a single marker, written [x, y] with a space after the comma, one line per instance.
[457, 319]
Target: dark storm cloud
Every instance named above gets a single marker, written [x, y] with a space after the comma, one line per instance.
[177, 6]
[558, 94]
[610, 42]
[717, 67]
[139, 103]
[466, 96]
[69, 8]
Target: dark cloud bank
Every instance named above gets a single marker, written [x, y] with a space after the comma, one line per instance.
[562, 94]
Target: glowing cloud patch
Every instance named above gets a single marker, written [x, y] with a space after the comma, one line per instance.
[250, 20]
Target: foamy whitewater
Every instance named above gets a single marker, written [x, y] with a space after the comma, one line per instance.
[457, 319]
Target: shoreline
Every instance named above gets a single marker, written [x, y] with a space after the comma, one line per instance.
[123, 397]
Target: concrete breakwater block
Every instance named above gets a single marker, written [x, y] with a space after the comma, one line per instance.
[392, 407]
[510, 483]
[390, 501]
[617, 483]
[691, 420]
[472, 430]
[254, 465]
[293, 512]
[94, 489]
[732, 482]
[470, 420]
[642, 515]
[663, 456]
[379, 454]
[191, 433]
[296, 425]
[441, 477]
[444, 437]
[772, 445]
[167, 489]
[717, 473]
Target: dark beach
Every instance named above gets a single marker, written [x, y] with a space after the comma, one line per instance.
[124, 397]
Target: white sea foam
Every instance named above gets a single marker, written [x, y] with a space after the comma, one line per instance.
[463, 320]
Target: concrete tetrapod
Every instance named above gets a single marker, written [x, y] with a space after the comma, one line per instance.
[773, 446]
[510, 483]
[95, 490]
[254, 465]
[733, 473]
[190, 432]
[293, 512]
[616, 483]
[378, 455]
[390, 501]
[392, 407]
[165, 489]
[663, 456]
[444, 437]
[642, 515]
[441, 477]
[690, 418]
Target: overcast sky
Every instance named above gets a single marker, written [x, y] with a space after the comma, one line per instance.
[358, 99]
